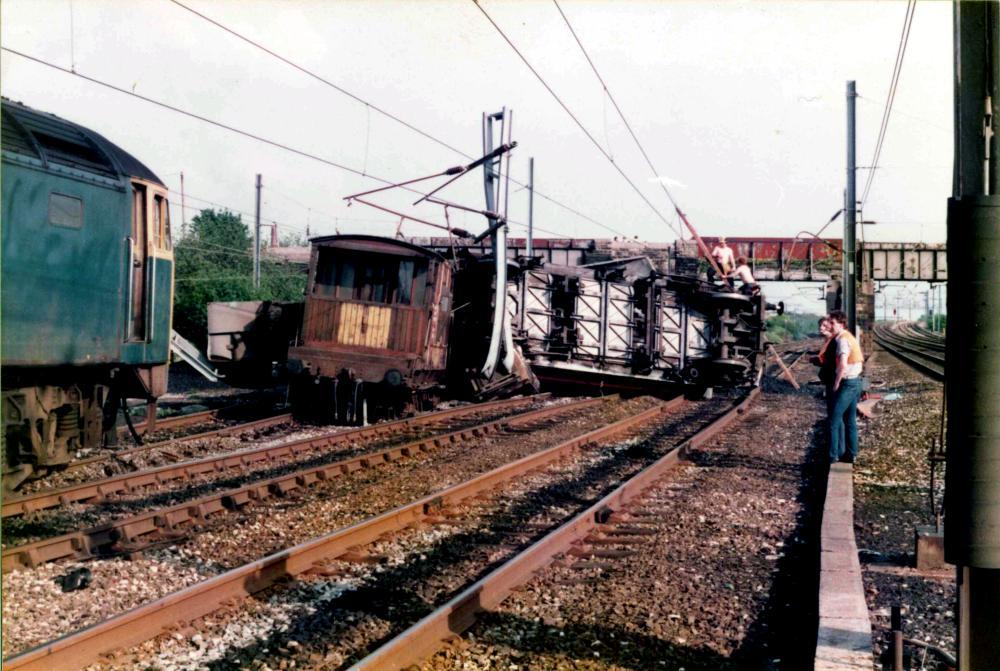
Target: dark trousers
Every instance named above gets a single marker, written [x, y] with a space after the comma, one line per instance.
[830, 398]
[844, 420]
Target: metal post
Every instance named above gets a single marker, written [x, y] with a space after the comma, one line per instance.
[256, 239]
[184, 221]
[531, 207]
[850, 211]
[972, 477]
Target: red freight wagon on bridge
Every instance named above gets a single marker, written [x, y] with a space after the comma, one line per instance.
[787, 259]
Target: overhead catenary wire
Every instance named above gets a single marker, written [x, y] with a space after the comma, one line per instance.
[369, 107]
[618, 109]
[218, 124]
[656, 175]
[572, 116]
[890, 98]
[363, 220]
[238, 131]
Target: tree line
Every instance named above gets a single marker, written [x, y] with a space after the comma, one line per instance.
[214, 262]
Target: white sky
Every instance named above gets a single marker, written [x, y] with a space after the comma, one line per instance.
[740, 104]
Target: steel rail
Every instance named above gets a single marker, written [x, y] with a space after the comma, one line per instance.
[175, 421]
[426, 636]
[80, 648]
[223, 431]
[159, 523]
[924, 365]
[909, 345]
[186, 470]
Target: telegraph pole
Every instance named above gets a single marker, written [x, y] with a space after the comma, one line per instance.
[184, 221]
[256, 239]
[850, 211]
[972, 481]
[531, 206]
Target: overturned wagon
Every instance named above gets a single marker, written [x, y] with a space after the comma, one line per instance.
[620, 325]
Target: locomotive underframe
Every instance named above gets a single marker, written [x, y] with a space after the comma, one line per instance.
[50, 414]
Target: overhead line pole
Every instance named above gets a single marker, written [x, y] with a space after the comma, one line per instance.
[256, 238]
[850, 212]
[972, 477]
[531, 207]
[184, 223]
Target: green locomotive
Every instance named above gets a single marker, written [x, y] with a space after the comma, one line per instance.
[87, 289]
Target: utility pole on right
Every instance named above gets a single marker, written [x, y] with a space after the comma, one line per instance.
[850, 301]
[972, 482]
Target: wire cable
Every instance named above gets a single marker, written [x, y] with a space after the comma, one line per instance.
[371, 106]
[897, 69]
[568, 111]
[621, 115]
[235, 130]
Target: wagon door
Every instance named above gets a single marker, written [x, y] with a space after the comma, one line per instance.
[137, 259]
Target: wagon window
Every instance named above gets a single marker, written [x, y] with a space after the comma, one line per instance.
[372, 278]
[404, 282]
[65, 211]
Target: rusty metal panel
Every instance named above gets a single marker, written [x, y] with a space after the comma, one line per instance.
[436, 318]
[699, 336]
[941, 272]
[911, 264]
[893, 264]
[620, 324]
[588, 314]
[926, 265]
[670, 332]
[878, 264]
[537, 306]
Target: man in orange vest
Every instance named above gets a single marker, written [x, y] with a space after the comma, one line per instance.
[846, 391]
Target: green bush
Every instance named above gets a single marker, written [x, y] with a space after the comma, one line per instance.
[791, 326]
[214, 262]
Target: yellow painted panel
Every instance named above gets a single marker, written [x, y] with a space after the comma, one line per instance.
[377, 326]
[350, 323]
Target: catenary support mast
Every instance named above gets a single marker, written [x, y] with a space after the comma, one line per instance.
[850, 210]
[972, 493]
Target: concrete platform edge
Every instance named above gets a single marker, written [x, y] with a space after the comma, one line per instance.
[844, 635]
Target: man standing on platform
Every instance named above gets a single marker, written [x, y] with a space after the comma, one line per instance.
[846, 391]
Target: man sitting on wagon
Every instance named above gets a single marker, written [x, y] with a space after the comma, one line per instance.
[743, 273]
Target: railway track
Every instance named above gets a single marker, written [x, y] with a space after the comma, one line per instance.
[918, 348]
[451, 507]
[134, 533]
[124, 455]
[101, 489]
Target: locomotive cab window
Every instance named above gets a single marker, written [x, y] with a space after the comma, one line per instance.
[371, 278]
[161, 223]
[65, 211]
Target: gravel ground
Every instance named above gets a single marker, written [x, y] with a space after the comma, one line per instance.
[280, 522]
[55, 521]
[891, 497]
[728, 580]
[339, 618]
[170, 454]
[36, 610]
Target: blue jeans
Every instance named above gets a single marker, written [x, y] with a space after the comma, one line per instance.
[844, 420]
[830, 398]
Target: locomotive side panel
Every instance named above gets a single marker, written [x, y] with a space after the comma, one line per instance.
[87, 288]
[63, 261]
